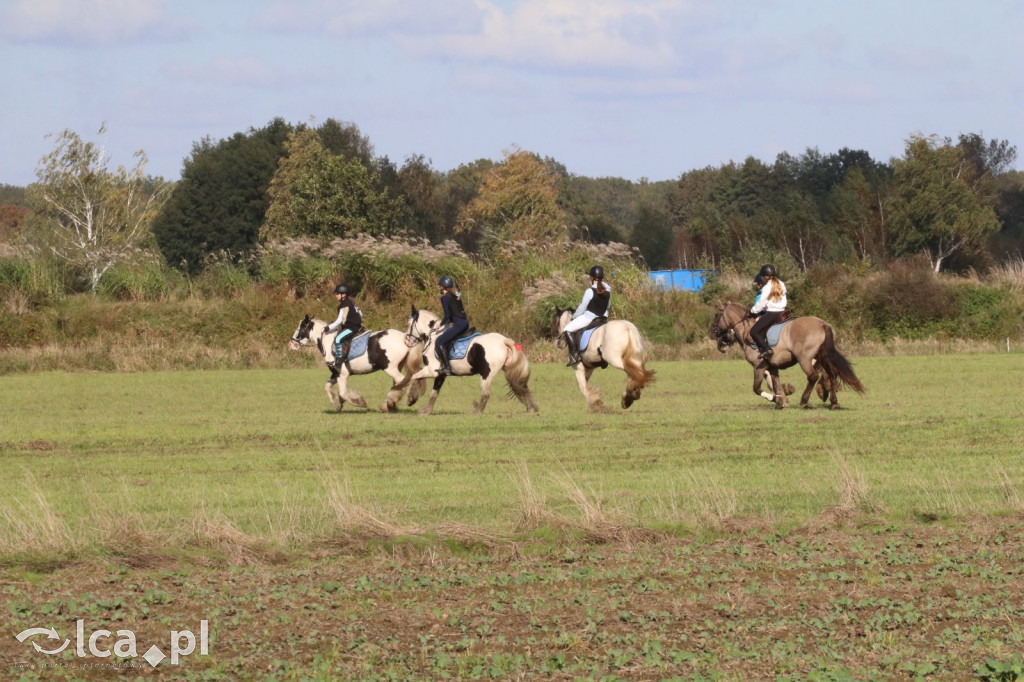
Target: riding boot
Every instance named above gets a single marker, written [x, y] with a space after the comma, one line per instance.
[574, 355]
[445, 368]
[341, 355]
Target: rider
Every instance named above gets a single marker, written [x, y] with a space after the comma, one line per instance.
[771, 301]
[597, 301]
[454, 315]
[348, 323]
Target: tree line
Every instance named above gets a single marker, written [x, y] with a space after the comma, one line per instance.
[959, 202]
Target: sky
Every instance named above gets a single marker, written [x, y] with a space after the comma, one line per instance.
[609, 88]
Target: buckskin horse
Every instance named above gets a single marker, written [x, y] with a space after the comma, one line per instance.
[807, 341]
[617, 343]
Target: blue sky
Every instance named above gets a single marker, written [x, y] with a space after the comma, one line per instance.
[626, 88]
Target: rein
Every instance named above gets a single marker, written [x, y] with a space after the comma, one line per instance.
[729, 335]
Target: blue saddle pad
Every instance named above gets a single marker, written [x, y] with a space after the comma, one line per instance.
[585, 339]
[460, 346]
[774, 332]
[358, 345]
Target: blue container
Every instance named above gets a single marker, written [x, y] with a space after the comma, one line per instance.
[679, 280]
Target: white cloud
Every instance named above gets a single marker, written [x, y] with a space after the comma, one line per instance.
[366, 19]
[623, 35]
[86, 22]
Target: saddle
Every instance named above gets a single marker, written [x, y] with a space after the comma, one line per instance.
[458, 347]
[582, 336]
[773, 332]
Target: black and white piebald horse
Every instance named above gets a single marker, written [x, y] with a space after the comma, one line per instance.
[385, 351]
[486, 355]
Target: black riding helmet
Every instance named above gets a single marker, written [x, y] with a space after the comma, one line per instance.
[759, 280]
[767, 271]
[596, 272]
[341, 289]
[446, 282]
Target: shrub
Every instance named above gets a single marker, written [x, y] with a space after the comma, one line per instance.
[147, 281]
[909, 300]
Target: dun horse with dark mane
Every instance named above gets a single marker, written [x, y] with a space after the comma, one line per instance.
[807, 341]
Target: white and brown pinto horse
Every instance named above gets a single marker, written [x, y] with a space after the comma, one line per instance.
[386, 351]
[617, 343]
[486, 355]
[807, 341]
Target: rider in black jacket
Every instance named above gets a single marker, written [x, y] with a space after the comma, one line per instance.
[348, 324]
[454, 315]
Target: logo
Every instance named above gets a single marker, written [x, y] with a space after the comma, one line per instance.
[98, 643]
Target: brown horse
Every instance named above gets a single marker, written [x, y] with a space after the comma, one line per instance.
[808, 341]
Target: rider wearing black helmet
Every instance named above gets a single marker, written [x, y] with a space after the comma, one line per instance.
[770, 304]
[453, 315]
[597, 301]
[347, 324]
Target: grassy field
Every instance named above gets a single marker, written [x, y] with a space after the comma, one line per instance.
[700, 535]
[933, 437]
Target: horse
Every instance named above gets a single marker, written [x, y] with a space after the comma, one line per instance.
[807, 341]
[485, 355]
[385, 351]
[617, 343]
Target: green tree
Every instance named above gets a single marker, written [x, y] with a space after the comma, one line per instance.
[652, 234]
[936, 205]
[517, 201]
[422, 189]
[93, 217]
[220, 202]
[319, 194]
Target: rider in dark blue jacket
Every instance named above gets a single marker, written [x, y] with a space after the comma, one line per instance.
[453, 315]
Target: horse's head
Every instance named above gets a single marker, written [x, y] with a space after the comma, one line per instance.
[723, 327]
[422, 323]
[561, 318]
[301, 337]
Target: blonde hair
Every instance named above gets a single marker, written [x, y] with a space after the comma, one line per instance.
[776, 292]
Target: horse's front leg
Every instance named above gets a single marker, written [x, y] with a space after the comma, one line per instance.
[429, 407]
[345, 393]
[591, 393]
[760, 370]
[332, 391]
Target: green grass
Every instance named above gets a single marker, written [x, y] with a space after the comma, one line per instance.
[94, 459]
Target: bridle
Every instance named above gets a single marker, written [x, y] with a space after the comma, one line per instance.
[724, 337]
[414, 336]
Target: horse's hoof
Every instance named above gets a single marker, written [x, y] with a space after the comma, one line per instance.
[805, 406]
[834, 407]
[779, 406]
[626, 402]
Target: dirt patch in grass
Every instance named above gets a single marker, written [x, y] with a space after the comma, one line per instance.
[826, 602]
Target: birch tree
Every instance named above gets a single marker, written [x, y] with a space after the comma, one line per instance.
[95, 217]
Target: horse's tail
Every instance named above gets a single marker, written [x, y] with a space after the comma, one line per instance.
[517, 373]
[634, 361]
[835, 365]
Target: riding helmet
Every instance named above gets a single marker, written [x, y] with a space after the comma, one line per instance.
[767, 271]
[759, 280]
[341, 289]
[596, 272]
[446, 282]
